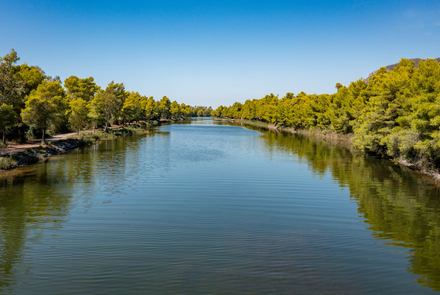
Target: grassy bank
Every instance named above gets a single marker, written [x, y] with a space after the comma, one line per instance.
[90, 137]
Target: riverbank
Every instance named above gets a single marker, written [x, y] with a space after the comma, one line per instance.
[33, 152]
[339, 139]
[23, 156]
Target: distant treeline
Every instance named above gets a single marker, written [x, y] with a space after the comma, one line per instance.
[32, 103]
[395, 114]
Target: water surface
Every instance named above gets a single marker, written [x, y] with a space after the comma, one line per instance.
[210, 208]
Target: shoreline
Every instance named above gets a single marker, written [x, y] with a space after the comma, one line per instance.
[26, 154]
[340, 139]
[15, 148]
[20, 155]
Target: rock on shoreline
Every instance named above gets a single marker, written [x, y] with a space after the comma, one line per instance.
[34, 155]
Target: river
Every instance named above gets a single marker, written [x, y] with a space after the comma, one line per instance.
[210, 208]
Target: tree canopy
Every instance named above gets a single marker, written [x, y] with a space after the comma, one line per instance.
[32, 101]
[396, 114]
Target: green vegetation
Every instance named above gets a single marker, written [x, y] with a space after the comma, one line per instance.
[7, 163]
[33, 104]
[91, 137]
[200, 111]
[45, 106]
[7, 118]
[396, 114]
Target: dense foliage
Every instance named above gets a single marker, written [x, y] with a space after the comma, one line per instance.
[32, 103]
[395, 114]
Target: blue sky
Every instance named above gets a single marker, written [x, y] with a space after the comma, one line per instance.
[218, 52]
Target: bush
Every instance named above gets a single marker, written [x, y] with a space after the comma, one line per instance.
[7, 163]
[30, 134]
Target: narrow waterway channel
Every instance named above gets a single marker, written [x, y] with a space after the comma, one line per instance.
[210, 208]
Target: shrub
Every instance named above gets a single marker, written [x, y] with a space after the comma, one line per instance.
[7, 163]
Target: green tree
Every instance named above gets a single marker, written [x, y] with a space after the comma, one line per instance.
[219, 112]
[44, 106]
[151, 110]
[186, 110]
[134, 106]
[84, 88]
[96, 110]
[338, 86]
[11, 86]
[112, 101]
[164, 108]
[79, 111]
[7, 119]
[32, 76]
[175, 110]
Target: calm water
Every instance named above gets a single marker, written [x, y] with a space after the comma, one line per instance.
[209, 208]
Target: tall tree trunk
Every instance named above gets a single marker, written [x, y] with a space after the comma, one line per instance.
[107, 123]
[44, 136]
[21, 134]
[4, 137]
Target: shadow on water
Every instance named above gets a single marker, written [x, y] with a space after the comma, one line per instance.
[36, 198]
[400, 206]
[26, 210]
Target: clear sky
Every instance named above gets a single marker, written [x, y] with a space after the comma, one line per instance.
[204, 52]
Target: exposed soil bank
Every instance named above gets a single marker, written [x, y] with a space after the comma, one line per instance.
[15, 148]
